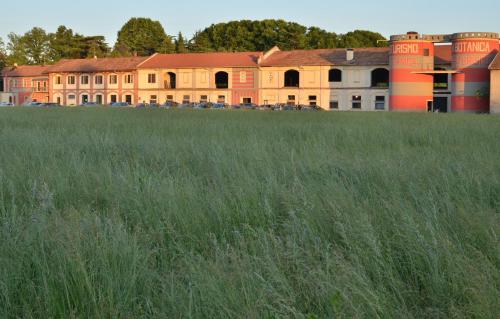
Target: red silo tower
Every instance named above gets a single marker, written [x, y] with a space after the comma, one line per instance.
[472, 54]
[411, 60]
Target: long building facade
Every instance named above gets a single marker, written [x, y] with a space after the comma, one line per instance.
[418, 73]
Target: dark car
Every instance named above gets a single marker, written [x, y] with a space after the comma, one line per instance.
[89, 104]
[119, 104]
[248, 106]
[141, 106]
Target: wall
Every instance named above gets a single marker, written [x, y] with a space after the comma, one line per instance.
[495, 92]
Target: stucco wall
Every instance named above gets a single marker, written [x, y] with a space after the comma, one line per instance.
[495, 92]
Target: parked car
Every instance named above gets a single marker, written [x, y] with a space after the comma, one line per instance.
[119, 104]
[265, 107]
[201, 106]
[290, 108]
[49, 105]
[141, 106]
[169, 105]
[88, 104]
[248, 106]
[153, 105]
[185, 106]
[219, 106]
[33, 104]
[4, 104]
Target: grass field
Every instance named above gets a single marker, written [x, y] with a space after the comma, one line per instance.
[181, 214]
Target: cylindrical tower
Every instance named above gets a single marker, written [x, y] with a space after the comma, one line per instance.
[472, 54]
[411, 56]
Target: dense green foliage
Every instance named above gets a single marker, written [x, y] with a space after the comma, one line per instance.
[143, 36]
[39, 47]
[246, 35]
[169, 214]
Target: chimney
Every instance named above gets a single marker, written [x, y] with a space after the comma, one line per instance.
[349, 54]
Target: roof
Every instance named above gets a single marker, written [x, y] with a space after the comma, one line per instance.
[495, 65]
[25, 71]
[362, 56]
[202, 60]
[97, 65]
[442, 54]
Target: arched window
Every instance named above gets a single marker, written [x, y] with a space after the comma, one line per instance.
[380, 78]
[292, 78]
[221, 80]
[335, 75]
[171, 80]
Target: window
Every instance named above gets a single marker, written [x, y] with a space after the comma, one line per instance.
[98, 80]
[243, 77]
[440, 80]
[356, 102]
[113, 79]
[335, 75]
[221, 99]
[71, 97]
[153, 99]
[151, 78]
[380, 103]
[170, 98]
[186, 99]
[380, 78]
[84, 79]
[291, 100]
[128, 99]
[113, 98]
[334, 105]
[71, 80]
[203, 99]
[58, 80]
[313, 100]
[129, 79]
[221, 80]
[247, 100]
[292, 78]
[171, 81]
[426, 52]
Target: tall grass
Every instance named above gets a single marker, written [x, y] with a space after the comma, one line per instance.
[164, 214]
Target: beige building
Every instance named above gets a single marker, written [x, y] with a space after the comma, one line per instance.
[335, 79]
[495, 85]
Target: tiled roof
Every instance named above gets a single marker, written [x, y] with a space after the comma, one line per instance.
[25, 71]
[202, 60]
[442, 54]
[97, 65]
[362, 56]
[495, 65]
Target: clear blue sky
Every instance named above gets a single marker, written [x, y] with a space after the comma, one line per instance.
[105, 17]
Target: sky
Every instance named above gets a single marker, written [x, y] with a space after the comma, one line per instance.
[105, 17]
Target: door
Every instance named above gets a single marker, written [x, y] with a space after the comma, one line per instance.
[441, 104]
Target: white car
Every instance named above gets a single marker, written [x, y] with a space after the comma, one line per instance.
[6, 104]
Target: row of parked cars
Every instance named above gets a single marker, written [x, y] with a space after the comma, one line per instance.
[220, 106]
[194, 106]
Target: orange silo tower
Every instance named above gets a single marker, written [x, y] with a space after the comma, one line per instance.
[472, 53]
[411, 61]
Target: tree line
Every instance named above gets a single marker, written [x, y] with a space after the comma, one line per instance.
[143, 37]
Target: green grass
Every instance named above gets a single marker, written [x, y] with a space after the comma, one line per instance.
[180, 214]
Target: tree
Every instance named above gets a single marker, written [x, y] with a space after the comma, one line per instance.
[3, 55]
[36, 46]
[143, 36]
[16, 49]
[317, 38]
[200, 43]
[180, 44]
[361, 39]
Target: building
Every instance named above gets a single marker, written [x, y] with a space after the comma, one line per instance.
[230, 78]
[419, 73]
[100, 81]
[24, 84]
[337, 79]
[495, 85]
